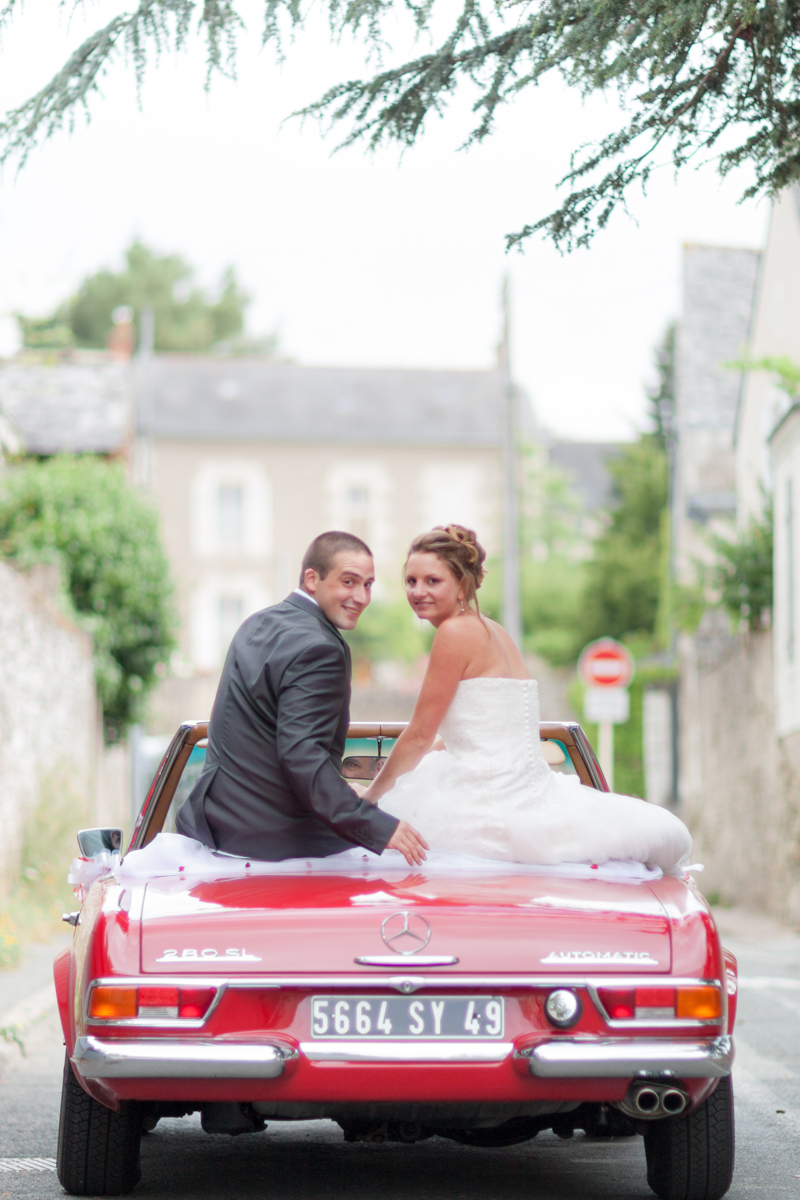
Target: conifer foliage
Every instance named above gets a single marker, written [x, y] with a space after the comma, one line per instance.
[698, 78]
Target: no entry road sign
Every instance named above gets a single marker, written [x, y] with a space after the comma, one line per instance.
[606, 664]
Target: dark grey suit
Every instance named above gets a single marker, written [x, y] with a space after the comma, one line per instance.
[272, 785]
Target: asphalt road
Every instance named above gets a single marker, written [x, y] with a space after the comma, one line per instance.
[310, 1160]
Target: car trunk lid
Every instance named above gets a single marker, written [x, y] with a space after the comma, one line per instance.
[323, 924]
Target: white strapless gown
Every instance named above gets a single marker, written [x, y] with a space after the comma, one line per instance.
[491, 793]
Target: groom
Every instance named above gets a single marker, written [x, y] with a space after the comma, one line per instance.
[272, 786]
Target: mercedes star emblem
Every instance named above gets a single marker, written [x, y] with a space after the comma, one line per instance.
[406, 933]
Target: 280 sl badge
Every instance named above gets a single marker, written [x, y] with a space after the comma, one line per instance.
[591, 957]
[189, 954]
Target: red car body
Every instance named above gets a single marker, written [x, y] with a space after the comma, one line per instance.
[234, 978]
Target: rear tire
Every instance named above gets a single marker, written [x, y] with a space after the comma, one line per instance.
[98, 1149]
[691, 1158]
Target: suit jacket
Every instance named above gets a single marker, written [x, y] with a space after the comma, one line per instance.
[272, 786]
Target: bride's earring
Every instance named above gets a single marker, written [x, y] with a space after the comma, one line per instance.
[463, 606]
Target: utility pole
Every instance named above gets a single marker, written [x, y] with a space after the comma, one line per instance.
[143, 400]
[511, 605]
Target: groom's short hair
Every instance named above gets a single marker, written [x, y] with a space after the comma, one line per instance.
[320, 554]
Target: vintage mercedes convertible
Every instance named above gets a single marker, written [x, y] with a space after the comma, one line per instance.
[484, 1003]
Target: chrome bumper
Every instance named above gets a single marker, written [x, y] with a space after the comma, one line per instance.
[561, 1058]
[163, 1058]
[572, 1058]
[406, 1052]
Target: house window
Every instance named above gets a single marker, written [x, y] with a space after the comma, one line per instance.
[358, 511]
[453, 492]
[230, 510]
[219, 603]
[359, 496]
[231, 615]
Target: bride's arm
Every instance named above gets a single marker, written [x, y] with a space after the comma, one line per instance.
[450, 654]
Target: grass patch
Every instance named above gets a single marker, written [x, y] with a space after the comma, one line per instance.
[11, 1037]
[32, 911]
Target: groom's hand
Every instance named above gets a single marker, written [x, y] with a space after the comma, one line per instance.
[412, 845]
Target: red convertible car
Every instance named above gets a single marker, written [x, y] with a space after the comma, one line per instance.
[483, 1006]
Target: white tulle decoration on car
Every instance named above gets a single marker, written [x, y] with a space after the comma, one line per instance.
[83, 872]
[172, 854]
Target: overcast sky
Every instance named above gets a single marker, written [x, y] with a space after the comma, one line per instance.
[357, 260]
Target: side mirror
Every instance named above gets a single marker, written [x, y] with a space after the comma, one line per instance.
[362, 766]
[97, 841]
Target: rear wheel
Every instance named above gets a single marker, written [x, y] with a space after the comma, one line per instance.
[98, 1150]
[691, 1158]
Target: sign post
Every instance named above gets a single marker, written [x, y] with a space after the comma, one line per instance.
[606, 667]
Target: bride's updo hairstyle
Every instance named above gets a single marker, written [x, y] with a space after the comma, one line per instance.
[459, 549]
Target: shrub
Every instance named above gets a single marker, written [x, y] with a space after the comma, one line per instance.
[85, 514]
[743, 574]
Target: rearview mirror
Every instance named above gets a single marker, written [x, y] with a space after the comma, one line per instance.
[362, 766]
[553, 753]
[95, 841]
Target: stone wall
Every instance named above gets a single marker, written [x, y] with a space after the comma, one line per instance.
[48, 712]
[740, 783]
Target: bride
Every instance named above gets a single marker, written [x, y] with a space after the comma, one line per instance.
[488, 790]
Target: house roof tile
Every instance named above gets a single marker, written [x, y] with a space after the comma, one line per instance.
[68, 407]
[228, 399]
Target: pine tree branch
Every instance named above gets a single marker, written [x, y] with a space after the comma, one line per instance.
[69, 90]
[693, 74]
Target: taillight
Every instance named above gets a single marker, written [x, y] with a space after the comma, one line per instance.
[701, 1003]
[158, 1002]
[110, 1003]
[662, 1003]
[655, 1003]
[194, 1003]
[620, 1005]
[154, 1003]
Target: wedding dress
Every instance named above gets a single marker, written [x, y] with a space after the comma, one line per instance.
[491, 793]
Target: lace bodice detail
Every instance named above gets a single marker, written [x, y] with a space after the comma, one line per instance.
[497, 720]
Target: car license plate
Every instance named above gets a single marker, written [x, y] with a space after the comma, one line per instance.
[407, 1017]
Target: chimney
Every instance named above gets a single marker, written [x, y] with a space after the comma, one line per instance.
[121, 339]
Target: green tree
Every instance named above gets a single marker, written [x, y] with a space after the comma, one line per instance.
[389, 632]
[717, 80]
[83, 513]
[46, 333]
[551, 599]
[186, 317]
[784, 371]
[743, 572]
[551, 591]
[624, 576]
[550, 507]
[662, 395]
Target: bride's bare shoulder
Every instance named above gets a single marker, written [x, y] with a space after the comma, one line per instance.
[463, 629]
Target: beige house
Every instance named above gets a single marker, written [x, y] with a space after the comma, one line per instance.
[740, 688]
[719, 285]
[775, 334]
[248, 460]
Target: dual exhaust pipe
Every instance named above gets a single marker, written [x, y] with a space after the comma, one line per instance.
[649, 1101]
